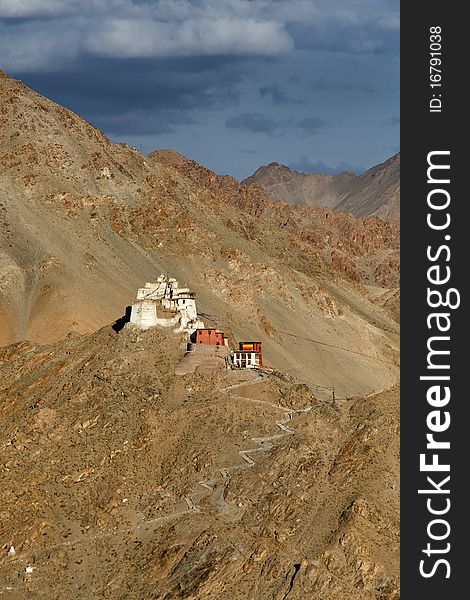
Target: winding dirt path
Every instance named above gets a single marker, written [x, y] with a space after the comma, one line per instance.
[212, 490]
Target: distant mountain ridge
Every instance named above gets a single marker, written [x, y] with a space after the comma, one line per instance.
[291, 186]
[375, 192]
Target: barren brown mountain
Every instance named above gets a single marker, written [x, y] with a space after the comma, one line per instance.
[85, 222]
[122, 480]
[376, 192]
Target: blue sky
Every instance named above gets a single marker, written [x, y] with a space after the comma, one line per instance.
[233, 84]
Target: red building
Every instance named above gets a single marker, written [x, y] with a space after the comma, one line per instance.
[211, 336]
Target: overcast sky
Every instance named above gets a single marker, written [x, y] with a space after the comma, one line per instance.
[233, 84]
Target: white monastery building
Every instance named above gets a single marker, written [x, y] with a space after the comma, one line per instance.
[165, 304]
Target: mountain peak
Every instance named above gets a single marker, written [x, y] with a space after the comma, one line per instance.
[289, 185]
[346, 191]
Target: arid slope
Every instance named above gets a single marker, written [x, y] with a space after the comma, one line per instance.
[122, 480]
[85, 222]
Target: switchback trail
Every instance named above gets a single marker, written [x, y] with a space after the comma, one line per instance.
[211, 490]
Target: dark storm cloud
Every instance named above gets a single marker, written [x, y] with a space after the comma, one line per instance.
[135, 97]
[137, 66]
[178, 70]
[124, 29]
[40, 35]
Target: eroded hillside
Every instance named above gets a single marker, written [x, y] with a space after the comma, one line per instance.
[86, 222]
[122, 480]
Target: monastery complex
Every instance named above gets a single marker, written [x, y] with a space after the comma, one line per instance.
[164, 304]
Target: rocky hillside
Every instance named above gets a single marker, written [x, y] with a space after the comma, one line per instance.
[121, 480]
[376, 192]
[85, 222]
